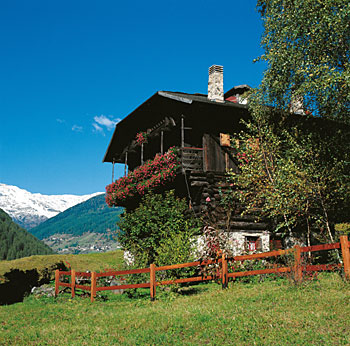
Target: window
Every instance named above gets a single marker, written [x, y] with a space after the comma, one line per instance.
[253, 244]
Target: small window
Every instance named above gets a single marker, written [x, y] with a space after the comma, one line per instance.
[225, 140]
[253, 244]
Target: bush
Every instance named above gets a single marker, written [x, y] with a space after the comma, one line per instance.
[177, 248]
[159, 231]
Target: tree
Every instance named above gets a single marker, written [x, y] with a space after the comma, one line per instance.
[295, 169]
[295, 176]
[307, 48]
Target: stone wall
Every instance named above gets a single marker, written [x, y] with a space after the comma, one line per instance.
[235, 242]
[216, 83]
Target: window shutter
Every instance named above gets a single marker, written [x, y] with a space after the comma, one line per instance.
[259, 244]
[276, 244]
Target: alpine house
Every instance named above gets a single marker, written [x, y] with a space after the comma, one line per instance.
[181, 141]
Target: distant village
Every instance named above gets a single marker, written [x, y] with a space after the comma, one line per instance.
[87, 243]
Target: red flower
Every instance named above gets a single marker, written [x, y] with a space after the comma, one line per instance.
[160, 170]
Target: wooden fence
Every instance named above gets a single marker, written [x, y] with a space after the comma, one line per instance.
[224, 275]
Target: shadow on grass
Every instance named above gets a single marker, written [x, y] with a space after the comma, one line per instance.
[141, 294]
[19, 283]
[192, 290]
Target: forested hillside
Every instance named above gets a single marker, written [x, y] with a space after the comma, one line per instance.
[16, 242]
[92, 215]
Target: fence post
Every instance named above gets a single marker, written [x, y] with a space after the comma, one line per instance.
[152, 281]
[298, 270]
[57, 280]
[224, 272]
[344, 244]
[93, 286]
[72, 282]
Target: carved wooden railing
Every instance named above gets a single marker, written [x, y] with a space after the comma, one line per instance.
[192, 158]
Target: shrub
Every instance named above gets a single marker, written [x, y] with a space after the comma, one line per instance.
[177, 248]
[159, 231]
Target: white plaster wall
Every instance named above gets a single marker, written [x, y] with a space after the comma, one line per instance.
[235, 242]
[128, 258]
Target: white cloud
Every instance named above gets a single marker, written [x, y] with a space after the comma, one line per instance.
[105, 121]
[77, 128]
[61, 121]
[98, 128]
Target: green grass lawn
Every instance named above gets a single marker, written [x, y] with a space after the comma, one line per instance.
[92, 262]
[269, 313]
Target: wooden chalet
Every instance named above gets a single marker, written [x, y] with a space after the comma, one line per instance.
[198, 125]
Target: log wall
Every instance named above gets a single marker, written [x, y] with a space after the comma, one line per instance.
[205, 193]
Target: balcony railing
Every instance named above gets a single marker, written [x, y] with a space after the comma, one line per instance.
[192, 158]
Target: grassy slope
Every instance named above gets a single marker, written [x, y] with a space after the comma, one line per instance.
[94, 261]
[271, 313]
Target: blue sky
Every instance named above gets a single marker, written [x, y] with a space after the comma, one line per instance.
[70, 69]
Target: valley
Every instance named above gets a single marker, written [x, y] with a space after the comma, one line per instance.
[88, 242]
[68, 224]
[31, 209]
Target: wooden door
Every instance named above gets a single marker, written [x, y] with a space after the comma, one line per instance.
[216, 158]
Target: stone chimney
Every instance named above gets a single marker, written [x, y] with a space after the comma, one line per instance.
[216, 83]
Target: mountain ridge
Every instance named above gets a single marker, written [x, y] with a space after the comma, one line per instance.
[16, 242]
[30, 209]
[90, 226]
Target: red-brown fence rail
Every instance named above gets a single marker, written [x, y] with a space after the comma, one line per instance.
[223, 274]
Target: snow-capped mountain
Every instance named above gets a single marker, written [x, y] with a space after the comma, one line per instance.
[30, 209]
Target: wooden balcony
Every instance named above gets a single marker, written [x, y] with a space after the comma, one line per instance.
[192, 159]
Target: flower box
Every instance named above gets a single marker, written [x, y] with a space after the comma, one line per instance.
[152, 174]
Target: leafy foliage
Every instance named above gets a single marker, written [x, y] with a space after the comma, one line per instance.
[176, 248]
[300, 181]
[296, 168]
[306, 45]
[159, 231]
[16, 242]
[92, 215]
[341, 229]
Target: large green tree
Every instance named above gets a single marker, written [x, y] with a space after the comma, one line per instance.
[295, 169]
[307, 48]
[295, 174]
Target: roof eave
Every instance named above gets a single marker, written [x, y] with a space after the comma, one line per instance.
[179, 97]
[123, 121]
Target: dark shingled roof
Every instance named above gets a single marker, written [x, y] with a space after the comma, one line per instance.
[183, 97]
[160, 104]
